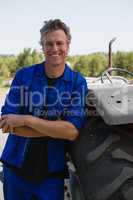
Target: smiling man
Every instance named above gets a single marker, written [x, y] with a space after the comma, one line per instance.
[43, 110]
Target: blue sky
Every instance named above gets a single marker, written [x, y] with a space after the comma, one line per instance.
[93, 23]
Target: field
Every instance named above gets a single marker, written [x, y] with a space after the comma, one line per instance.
[3, 92]
[3, 137]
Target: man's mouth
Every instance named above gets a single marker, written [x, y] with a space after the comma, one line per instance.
[55, 55]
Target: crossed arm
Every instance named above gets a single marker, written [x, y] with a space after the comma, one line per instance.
[30, 126]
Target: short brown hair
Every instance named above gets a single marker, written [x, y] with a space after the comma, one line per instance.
[53, 25]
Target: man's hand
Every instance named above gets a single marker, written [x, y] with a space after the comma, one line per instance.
[11, 121]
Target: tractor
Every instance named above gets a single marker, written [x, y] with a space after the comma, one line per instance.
[101, 159]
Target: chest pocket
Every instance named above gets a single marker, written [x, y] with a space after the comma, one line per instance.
[66, 92]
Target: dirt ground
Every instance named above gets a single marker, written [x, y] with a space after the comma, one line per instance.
[3, 92]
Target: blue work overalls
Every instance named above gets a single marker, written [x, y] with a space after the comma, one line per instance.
[30, 83]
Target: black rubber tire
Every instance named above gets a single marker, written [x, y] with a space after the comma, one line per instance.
[104, 162]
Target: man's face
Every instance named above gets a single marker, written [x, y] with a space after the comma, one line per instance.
[55, 46]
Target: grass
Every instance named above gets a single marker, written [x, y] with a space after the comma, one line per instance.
[1, 80]
[4, 89]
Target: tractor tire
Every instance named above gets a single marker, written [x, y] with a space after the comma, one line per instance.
[103, 158]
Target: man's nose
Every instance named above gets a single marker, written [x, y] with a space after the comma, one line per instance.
[55, 47]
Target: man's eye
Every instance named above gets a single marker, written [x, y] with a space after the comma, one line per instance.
[48, 44]
[60, 43]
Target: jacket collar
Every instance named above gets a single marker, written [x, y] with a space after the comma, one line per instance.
[40, 72]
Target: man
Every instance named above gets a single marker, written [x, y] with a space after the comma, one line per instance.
[43, 110]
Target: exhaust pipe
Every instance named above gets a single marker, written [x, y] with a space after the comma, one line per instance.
[110, 52]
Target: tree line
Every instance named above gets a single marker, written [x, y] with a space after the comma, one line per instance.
[88, 65]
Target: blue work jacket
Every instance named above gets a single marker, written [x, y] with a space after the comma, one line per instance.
[28, 95]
